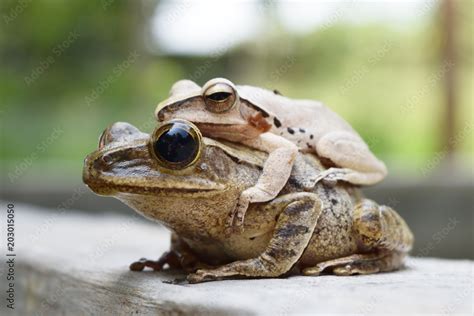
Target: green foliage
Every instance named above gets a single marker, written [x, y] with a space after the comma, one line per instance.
[65, 66]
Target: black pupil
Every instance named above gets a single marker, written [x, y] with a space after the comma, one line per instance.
[176, 145]
[219, 96]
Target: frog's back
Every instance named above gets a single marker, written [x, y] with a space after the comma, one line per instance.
[310, 115]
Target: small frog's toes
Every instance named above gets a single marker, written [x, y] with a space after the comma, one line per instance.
[237, 215]
[240, 214]
[332, 175]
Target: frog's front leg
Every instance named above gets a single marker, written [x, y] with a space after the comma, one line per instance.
[179, 256]
[294, 228]
[275, 173]
[356, 163]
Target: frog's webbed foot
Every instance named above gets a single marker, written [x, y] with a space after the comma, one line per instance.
[204, 275]
[172, 260]
[169, 258]
[332, 175]
[179, 257]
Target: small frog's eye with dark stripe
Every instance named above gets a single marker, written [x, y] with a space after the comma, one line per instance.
[220, 97]
[176, 144]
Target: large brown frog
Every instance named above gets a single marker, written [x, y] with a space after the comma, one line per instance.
[190, 184]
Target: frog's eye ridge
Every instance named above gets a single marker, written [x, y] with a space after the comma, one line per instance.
[176, 144]
[220, 97]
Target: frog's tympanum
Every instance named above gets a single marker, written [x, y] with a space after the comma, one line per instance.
[270, 122]
[190, 183]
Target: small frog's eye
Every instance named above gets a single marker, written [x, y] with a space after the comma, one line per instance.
[176, 144]
[219, 97]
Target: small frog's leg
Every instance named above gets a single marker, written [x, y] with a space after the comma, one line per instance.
[384, 239]
[179, 257]
[357, 164]
[294, 228]
[275, 174]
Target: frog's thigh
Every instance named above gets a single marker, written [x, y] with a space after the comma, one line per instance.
[292, 233]
[358, 164]
[384, 237]
[380, 227]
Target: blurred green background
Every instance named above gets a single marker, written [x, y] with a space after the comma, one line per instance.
[400, 72]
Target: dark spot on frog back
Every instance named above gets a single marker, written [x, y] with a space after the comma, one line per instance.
[276, 122]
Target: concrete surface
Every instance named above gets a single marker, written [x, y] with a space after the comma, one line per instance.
[75, 264]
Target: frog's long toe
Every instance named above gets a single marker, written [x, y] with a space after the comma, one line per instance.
[356, 268]
[202, 276]
[141, 264]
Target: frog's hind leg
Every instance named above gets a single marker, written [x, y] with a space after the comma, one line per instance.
[340, 262]
[355, 162]
[384, 240]
[359, 264]
[295, 225]
[388, 262]
[380, 228]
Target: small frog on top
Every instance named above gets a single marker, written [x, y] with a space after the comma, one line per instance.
[267, 121]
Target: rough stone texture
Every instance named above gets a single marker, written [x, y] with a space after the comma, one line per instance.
[72, 263]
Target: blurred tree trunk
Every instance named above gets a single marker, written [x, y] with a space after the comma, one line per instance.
[450, 63]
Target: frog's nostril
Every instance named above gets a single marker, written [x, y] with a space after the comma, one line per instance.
[107, 159]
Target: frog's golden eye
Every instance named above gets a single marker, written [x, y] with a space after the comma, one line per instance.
[176, 144]
[220, 97]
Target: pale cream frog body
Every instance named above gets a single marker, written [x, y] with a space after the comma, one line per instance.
[328, 228]
[280, 126]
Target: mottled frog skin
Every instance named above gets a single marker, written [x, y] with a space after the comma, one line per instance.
[307, 229]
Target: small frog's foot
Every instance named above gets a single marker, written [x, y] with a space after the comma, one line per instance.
[253, 194]
[331, 176]
[236, 217]
[204, 275]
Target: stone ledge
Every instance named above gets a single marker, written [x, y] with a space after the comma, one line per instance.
[74, 263]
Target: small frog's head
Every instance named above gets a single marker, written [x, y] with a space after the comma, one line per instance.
[173, 176]
[217, 107]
